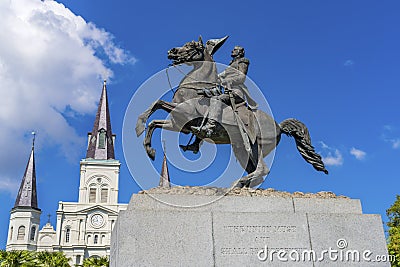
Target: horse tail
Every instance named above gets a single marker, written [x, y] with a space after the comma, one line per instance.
[296, 129]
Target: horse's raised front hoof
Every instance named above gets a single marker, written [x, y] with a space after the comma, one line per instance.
[151, 152]
[139, 128]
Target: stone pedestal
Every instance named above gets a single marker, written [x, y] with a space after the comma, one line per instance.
[258, 229]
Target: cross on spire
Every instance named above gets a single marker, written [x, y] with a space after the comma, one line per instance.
[33, 139]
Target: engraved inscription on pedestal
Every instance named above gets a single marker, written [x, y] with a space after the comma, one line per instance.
[240, 236]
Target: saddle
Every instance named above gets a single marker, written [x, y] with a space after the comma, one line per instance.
[247, 117]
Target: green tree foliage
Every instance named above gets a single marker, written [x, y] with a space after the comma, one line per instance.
[51, 259]
[393, 214]
[23, 258]
[16, 258]
[96, 262]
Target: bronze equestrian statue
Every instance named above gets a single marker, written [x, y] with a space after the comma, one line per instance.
[252, 133]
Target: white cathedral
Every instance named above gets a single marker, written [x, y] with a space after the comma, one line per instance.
[83, 228]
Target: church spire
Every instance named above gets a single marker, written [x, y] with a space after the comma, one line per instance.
[27, 194]
[164, 177]
[101, 143]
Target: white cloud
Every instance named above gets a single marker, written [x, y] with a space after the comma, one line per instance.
[388, 127]
[348, 63]
[390, 135]
[49, 63]
[357, 153]
[395, 143]
[324, 146]
[9, 185]
[333, 156]
[333, 159]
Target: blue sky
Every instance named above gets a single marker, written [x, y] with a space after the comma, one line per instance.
[332, 64]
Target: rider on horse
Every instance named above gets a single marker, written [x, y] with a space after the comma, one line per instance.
[232, 79]
[263, 136]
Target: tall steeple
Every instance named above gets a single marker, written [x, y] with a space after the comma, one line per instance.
[101, 140]
[27, 194]
[100, 170]
[25, 215]
[164, 177]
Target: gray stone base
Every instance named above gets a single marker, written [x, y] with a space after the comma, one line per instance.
[232, 230]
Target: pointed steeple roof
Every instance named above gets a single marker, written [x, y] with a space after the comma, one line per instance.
[27, 194]
[101, 143]
[164, 177]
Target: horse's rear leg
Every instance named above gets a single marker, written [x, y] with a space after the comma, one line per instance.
[257, 177]
[165, 124]
[159, 104]
[254, 178]
[256, 171]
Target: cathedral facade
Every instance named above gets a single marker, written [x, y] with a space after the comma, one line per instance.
[83, 228]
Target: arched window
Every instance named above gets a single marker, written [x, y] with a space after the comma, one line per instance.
[11, 232]
[98, 189]
[103, 239]
[33, 233]
[67, 235]
[88, 239]
[21, 233]
[96, 239]
[92, 195]
[104, 195]
[78, 259]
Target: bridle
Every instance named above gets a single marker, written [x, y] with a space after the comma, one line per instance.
[189, 56]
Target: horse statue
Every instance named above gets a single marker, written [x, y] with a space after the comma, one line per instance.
[189, 108]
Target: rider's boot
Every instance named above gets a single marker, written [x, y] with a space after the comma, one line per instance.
[194, 147]
[215, 111]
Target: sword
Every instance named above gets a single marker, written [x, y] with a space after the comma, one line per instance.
[201, 125]
[239, 123]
